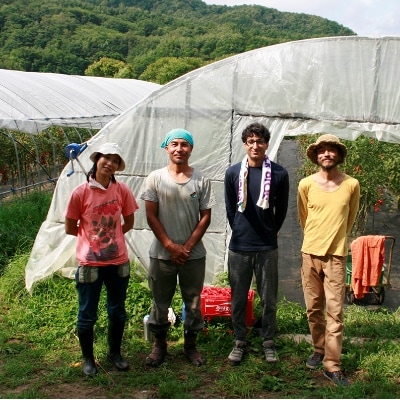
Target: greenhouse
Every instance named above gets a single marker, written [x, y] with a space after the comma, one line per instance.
[41, 112]
[341, 85]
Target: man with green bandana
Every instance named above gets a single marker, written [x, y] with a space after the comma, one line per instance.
[178, 202]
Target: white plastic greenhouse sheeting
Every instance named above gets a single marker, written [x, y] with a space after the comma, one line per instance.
[32, 101]
[347, 86]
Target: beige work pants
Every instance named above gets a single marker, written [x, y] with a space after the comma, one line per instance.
[324, 286]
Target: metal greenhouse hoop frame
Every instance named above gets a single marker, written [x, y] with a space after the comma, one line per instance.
[41, 113]
[35, 166]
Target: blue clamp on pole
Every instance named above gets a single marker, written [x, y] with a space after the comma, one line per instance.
[72, 151]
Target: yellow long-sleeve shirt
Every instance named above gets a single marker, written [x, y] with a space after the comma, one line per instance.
[327, 217]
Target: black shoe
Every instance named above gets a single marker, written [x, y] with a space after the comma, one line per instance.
[118, 361]
[89, 367]
[337, 378]
[86, 342]
[315, 360]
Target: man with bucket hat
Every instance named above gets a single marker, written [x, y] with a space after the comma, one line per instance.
[327, 204]
[178, 201]
[99, 213]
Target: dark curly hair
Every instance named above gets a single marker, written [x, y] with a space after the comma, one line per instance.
[256, 129]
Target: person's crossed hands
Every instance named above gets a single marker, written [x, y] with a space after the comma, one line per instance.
[179, 253]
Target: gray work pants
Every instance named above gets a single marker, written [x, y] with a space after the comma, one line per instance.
[241, 267]
[162, 278]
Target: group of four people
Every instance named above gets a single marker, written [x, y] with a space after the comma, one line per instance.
[178, 202]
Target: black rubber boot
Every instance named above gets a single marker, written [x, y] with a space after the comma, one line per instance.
[86, 341]
[159, 351]
[190, 349]
[115, 333]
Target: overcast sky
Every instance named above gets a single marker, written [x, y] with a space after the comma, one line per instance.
[374, 18]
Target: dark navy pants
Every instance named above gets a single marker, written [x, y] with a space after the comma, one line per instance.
[89, 282]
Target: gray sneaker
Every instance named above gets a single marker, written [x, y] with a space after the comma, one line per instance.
[269, 351]
[337, 378]
[237, 353]
[315, 360]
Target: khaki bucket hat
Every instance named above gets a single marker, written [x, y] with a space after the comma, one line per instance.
[326, 138]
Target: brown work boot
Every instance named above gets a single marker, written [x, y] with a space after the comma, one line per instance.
[190, 350]
[159, 351]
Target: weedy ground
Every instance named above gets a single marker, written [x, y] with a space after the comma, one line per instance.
[40, 355]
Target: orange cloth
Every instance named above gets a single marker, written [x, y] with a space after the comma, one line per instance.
[368, 256]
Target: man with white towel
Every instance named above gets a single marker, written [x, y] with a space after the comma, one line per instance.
[256, 199]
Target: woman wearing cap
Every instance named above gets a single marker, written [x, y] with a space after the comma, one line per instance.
[94, 215]
[327, 202]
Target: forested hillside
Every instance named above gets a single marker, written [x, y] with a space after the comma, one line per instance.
[68, 36]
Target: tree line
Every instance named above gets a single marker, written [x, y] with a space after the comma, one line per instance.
[155, 40]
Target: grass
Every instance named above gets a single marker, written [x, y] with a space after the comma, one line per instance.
[20, 219]
[40, 354]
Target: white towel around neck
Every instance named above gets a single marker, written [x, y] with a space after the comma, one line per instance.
[263, 200]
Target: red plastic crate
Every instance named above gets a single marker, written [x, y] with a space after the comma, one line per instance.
[216, 302]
